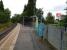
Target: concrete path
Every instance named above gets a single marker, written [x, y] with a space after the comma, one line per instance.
[24, 41]
[27, 40]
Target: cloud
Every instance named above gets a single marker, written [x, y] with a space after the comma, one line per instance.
[59, 8]
[53, 6]
[17, 6]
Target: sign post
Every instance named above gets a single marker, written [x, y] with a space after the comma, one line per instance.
[58, 15]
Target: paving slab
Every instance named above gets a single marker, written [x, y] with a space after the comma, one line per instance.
[27, 40]
[24, 41]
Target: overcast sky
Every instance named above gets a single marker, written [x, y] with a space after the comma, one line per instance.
[17, 6]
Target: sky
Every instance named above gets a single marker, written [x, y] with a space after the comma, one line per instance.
[54, 6]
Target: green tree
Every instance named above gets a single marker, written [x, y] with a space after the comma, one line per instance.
[39, 13]
[65, 21]
[16, 18]
[7, 14]
[1, 6]
[4, 13]
[50, 18]
[29, 9]
[2, 17]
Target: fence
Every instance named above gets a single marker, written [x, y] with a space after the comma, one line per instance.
[56, 36]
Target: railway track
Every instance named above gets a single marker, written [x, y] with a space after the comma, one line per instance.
[8, 42]
[5, 33]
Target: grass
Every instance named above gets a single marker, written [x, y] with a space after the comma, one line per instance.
[5, 26]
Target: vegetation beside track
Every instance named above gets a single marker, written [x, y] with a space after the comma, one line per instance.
[4, 26]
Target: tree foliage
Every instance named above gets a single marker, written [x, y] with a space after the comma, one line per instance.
[1, 6]
[4, 13]
[29, 9]
[39, 13]
[65, 21]
[5, 16]
[16, 18]
[50, 18]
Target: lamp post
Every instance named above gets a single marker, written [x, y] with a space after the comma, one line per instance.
[66, 8]
[23, 21]
[34, 10]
